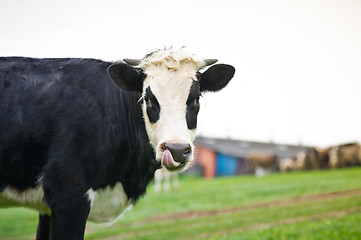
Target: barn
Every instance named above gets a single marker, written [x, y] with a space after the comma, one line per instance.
[227, 157]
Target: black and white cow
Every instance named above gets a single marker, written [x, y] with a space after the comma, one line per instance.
[82, 138]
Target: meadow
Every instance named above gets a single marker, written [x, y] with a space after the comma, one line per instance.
[316, 205]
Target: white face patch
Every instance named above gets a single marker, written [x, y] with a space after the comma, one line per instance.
[31, 198]
[108, 204]
[169, 78]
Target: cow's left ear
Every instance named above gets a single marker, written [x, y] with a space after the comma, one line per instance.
[216, 77]
[126, 77]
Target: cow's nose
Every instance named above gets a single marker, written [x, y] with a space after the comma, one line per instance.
[180, 152]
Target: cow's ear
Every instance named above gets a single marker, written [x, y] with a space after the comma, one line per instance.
[126, 77]
[216, 77]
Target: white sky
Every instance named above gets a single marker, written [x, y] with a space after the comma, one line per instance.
[298, 62]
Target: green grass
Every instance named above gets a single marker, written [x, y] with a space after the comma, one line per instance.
[17, 223]
[199, 194]
[214, 225]
[217, 203]
[346, 228]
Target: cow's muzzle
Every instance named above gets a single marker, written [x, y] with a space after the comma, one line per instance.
[175, 155]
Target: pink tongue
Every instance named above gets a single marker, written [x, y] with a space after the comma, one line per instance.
[167, 159]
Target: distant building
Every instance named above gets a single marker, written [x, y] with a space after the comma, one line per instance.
[226, 157]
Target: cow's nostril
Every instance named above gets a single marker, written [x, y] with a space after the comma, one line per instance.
[163, 147]
[187, 150]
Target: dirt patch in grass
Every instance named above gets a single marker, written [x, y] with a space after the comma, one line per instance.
[279, 203]
[261, 226]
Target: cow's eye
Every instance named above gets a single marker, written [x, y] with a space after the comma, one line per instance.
[152, 105]
[196, 101]
[146, 99]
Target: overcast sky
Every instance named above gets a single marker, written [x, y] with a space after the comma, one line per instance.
[298, 63]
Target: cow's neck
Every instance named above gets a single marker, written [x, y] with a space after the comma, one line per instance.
[134, 163]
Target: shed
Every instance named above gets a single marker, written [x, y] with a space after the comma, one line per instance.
[220, 157]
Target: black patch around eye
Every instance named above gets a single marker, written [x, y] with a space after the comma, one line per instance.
[153, 107]
[193, 105]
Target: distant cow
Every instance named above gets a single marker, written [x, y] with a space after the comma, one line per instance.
[323, 157]
[164, 179]
[258, 160]
[307, 160]
[82, 138]
[288, 164]
[345, 155]
[304, 160]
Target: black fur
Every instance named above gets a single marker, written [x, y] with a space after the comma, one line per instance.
[213, 79]
[153, 107]
[216, 77]
[65, 120]
[127, 77]
[193, 105]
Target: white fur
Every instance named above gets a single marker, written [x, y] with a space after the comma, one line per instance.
[108, 204]
[31, 198]
[170, 75]
[172, 59]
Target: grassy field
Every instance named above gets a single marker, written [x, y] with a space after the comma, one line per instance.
[301, 205]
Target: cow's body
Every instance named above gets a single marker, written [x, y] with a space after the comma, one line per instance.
[345, 155]
[75, 145]
[265, 161]
[63, 122]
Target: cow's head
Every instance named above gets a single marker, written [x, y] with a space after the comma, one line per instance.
[171, 84]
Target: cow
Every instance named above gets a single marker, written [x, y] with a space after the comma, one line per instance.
[288, 164]
[81, 138]
[262, 163]
[345, 155]
[166, 177]
[323, 157]
[304, 160]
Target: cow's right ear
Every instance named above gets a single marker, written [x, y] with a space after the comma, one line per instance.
[126, 77]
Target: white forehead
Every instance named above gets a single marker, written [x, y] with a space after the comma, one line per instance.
[170, 73]
[172, 60]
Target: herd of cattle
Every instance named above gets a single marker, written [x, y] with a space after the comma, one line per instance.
[345, 155]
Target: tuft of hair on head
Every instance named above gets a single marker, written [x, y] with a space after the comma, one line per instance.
[171, 58]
